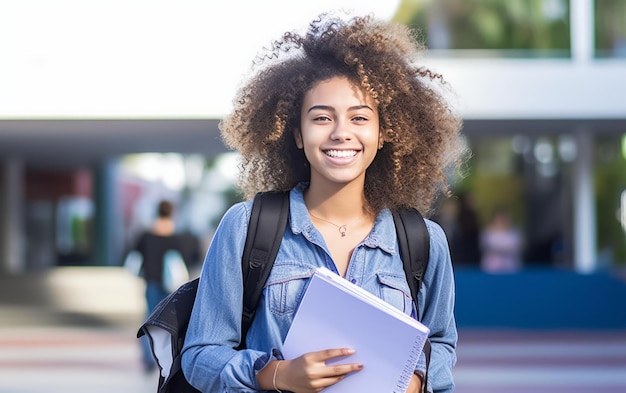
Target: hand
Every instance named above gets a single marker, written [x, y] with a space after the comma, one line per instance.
[415, 386]
[309, 372]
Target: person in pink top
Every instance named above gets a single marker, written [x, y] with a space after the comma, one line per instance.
[501, 245]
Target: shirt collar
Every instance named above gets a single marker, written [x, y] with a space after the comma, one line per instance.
[382, 236]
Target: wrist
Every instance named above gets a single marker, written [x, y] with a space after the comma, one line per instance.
[274, 383]
[420, 377]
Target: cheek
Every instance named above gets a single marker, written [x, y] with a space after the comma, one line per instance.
[311, 138]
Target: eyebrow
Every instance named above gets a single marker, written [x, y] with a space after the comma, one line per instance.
[330, 108]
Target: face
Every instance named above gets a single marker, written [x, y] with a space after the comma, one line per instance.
[339, 132]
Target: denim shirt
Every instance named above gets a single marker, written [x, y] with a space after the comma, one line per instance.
[210, 362]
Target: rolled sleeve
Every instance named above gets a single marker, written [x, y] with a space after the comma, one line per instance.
[436, 307]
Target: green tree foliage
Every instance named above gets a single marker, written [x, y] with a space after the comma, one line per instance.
[610, 28]
[521, 25]
[610, 183]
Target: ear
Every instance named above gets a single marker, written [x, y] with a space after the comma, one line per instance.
[297, 135]
[381, 141]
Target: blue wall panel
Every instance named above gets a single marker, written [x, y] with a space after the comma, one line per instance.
[540, 299]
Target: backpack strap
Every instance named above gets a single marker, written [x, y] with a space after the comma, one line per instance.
[414, 243]
[268, 220]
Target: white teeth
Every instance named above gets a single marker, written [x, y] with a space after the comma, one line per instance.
[341, 153]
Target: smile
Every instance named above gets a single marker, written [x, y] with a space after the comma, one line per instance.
[340, 153]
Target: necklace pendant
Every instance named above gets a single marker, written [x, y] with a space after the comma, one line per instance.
[342, 230]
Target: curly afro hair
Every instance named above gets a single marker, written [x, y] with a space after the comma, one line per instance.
[421, 132]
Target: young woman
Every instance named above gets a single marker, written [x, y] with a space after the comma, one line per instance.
[343, 118]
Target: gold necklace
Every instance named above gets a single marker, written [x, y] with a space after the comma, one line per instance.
[342, 228]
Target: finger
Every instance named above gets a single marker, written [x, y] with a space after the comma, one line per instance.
[343, 369]
[326, 382]
[338, 373]
[333, 353]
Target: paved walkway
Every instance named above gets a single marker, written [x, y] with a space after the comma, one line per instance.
[68, 360]
[73, 330]
[74, 359]
[541, 362]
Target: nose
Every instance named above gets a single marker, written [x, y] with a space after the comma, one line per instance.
[341, 131]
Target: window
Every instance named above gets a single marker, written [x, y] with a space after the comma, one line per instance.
[610, 28]
[493, 28]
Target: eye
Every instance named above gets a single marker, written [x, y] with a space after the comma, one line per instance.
[359, 118]
[321, 118]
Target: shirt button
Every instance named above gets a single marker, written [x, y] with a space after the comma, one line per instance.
[353, 281]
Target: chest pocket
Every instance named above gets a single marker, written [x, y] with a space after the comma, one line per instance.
[395, 291]
[286, 286]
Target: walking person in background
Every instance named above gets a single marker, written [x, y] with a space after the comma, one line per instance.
[343, 119]
[152, 245]
[501, 245]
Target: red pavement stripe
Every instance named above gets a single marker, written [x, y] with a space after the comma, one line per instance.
[539, 388]
[74, 364]
[64, 341]
[540, 361]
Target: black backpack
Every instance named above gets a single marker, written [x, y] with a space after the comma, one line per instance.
[167, 324]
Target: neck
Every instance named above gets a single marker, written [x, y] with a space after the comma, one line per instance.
[163, 227]
[339, 204]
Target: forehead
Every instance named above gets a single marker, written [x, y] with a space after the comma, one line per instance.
[337, 89]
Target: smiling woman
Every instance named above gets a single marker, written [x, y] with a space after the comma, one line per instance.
[342, 119]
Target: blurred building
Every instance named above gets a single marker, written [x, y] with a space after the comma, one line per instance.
[540, 85]
[545, 117]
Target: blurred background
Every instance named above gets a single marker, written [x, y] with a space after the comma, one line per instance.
[106, 108]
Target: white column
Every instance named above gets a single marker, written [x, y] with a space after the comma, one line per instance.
[11, 220]
[585, 259]
[582, 30]
[585, 231]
